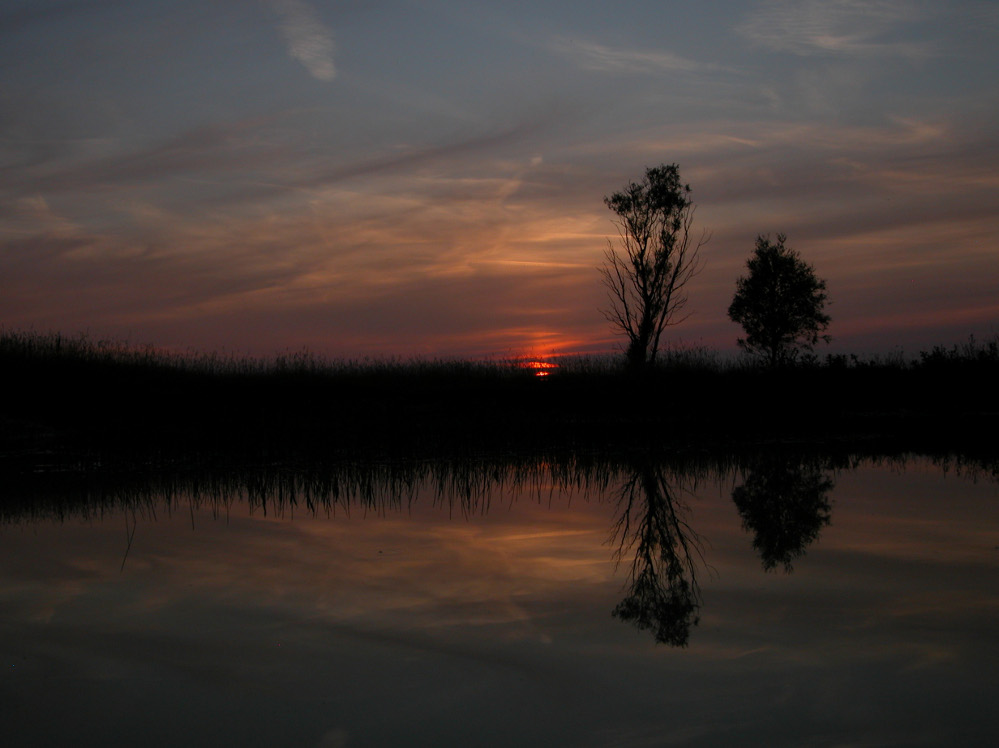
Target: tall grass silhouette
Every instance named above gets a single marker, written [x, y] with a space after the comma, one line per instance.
[75, 396]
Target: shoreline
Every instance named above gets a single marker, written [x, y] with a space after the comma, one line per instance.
[76, 398]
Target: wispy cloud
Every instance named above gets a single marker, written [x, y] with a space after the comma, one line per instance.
[208, 150]
[405, 260]
[865, 27]
[592, 56]
[309, 40]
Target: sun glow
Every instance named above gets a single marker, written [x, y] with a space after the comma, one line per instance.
[540, 368]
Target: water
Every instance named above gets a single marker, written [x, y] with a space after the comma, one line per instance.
[820, 606]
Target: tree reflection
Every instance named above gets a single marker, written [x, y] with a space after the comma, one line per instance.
[785, 504]
[664, 596]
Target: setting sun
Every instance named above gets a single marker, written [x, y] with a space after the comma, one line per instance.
[540, 368]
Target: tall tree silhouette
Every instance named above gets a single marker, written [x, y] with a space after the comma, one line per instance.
[646, 277]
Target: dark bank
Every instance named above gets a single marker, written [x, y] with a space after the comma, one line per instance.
[74, 396]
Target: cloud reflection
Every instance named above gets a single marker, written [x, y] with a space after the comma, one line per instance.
[325, 617]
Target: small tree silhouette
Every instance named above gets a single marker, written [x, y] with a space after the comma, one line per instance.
[779, 304]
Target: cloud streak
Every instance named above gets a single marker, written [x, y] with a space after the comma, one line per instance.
[598, 57]
[848, 27]
[309, 40]
[201, 150]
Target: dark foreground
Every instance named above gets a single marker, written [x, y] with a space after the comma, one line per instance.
[82, 400]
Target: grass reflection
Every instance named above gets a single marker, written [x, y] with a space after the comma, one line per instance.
[783, 503]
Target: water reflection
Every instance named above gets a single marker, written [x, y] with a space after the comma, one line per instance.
[785, 504]
[485, 588]
[783, 501]
[663, 595]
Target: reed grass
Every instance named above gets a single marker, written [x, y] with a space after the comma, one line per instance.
[74, 394]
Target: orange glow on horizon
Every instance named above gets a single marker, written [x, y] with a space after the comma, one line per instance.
[541, 368]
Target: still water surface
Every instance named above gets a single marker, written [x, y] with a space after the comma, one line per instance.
[786, 605]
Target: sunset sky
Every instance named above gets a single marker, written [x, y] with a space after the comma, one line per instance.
[427, 177]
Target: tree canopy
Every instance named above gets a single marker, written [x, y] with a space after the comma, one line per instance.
[779, 303]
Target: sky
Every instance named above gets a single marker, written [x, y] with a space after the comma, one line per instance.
[426, 178]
